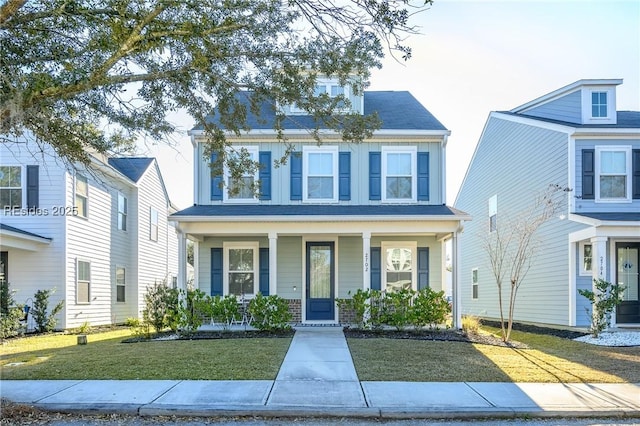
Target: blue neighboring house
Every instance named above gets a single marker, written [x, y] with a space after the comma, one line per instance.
[573, 137]
[337, 217]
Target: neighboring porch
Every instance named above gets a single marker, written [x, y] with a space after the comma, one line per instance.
[311, 263]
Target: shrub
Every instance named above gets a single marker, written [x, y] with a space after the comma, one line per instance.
[397, 308]
[430, 308]
[358, 304]
[85, 328]
[10, 315]
[192, 309]
[160, 303]
[139, 328]
[45, 322]
[603, 301]
[470, 324]
[225, 310]
[270, 313]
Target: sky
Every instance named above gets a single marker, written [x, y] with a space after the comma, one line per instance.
[476, 56]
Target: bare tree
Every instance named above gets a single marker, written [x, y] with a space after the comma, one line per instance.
[512, 245]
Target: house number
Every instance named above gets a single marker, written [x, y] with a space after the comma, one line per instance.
[366, 262]
[601, 266]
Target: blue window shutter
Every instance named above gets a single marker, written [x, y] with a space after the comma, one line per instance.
[588, 174]
[265, 175]
[33, 187]
[216, 272]
[296, 176]
[375, 175]
[423, 267]
[216, 181]
[635, 175]
[344, 171]
[376, 270]
[264, 271]
[423, 176]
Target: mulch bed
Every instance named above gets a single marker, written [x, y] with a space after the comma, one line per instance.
[208, 335]
[528, 328]
[447, 335]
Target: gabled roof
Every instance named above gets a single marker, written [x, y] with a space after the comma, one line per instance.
[131, 167]
[612, 216]
[626, 120]
[397, 111]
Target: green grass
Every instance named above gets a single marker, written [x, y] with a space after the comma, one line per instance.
[549, 360]
[106, 357]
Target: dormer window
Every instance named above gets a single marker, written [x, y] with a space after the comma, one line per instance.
[329, 87]
[599, 104]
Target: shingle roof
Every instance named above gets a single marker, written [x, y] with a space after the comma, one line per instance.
[613, 216]
[396, 110]
[320, 210]
[131, 167]
[20, 231]
[626, 120]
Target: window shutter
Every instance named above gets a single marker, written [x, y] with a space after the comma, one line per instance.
[376, 273]
[33, 187]
[265, 175]
[344, 171]
[423, 176]
[296, 176]
[635, 175]
[216, 272]
[216, 181]
[264, 271]
[423, 267]
[588, 174]
[375, 175]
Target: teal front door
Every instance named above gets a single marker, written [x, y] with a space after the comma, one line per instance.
[320, 285]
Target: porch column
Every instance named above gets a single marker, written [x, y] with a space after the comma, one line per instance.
[366, 261]
[182, 261]
[273, 262]
[455, 281]
[599, 258]
[196, 264]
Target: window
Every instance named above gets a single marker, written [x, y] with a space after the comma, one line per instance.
[493, 213]
[153, 224]
[241, 262]
[599, 104]
[11, 187]
[81, 195]
[330, 87]
[474, 283]
[120, 284]
[83, 281]
[242, 188]
[122, 212]
[586, 258]
[399, 266]
[613, 169]
[399, 171]
[320, 180]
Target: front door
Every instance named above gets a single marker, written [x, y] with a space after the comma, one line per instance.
[320, 288]
[627, 259]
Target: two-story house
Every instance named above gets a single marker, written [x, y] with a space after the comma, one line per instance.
[573, 137]
[337, 217]
[97, 234]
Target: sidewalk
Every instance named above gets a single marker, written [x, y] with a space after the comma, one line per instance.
[317, 378]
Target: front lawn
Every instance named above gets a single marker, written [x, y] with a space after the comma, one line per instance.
[57, 356]
[550, 359]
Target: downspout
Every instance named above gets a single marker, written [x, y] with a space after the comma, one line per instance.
[455, 277]
[443, 169]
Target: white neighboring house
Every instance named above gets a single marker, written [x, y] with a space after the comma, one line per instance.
[98, 234]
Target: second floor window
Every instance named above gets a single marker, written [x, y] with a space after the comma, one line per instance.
[81, 195]
[399, 171]
[10, 187]
[320, 181]
[242, 188]
[122, 212]
[493, 213]
[153, 224]
[613, 166]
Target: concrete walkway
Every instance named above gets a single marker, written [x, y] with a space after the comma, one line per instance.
[317, 378]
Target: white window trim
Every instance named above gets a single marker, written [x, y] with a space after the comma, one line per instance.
[327, 82]
[78, 260]
[23, 182]
[329, 149]
[581, 246]
[413, 245]
[75, 186]
[125, 213]
[587, 117]
[157, 236]
[628, 174]
[254, 151]
[493, 211]
[121, 285]
[255, 246]
[414, 173]
[475, 284]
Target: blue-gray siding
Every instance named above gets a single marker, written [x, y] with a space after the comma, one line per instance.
[566, 108]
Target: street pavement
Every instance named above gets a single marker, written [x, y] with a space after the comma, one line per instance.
[317, 378]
